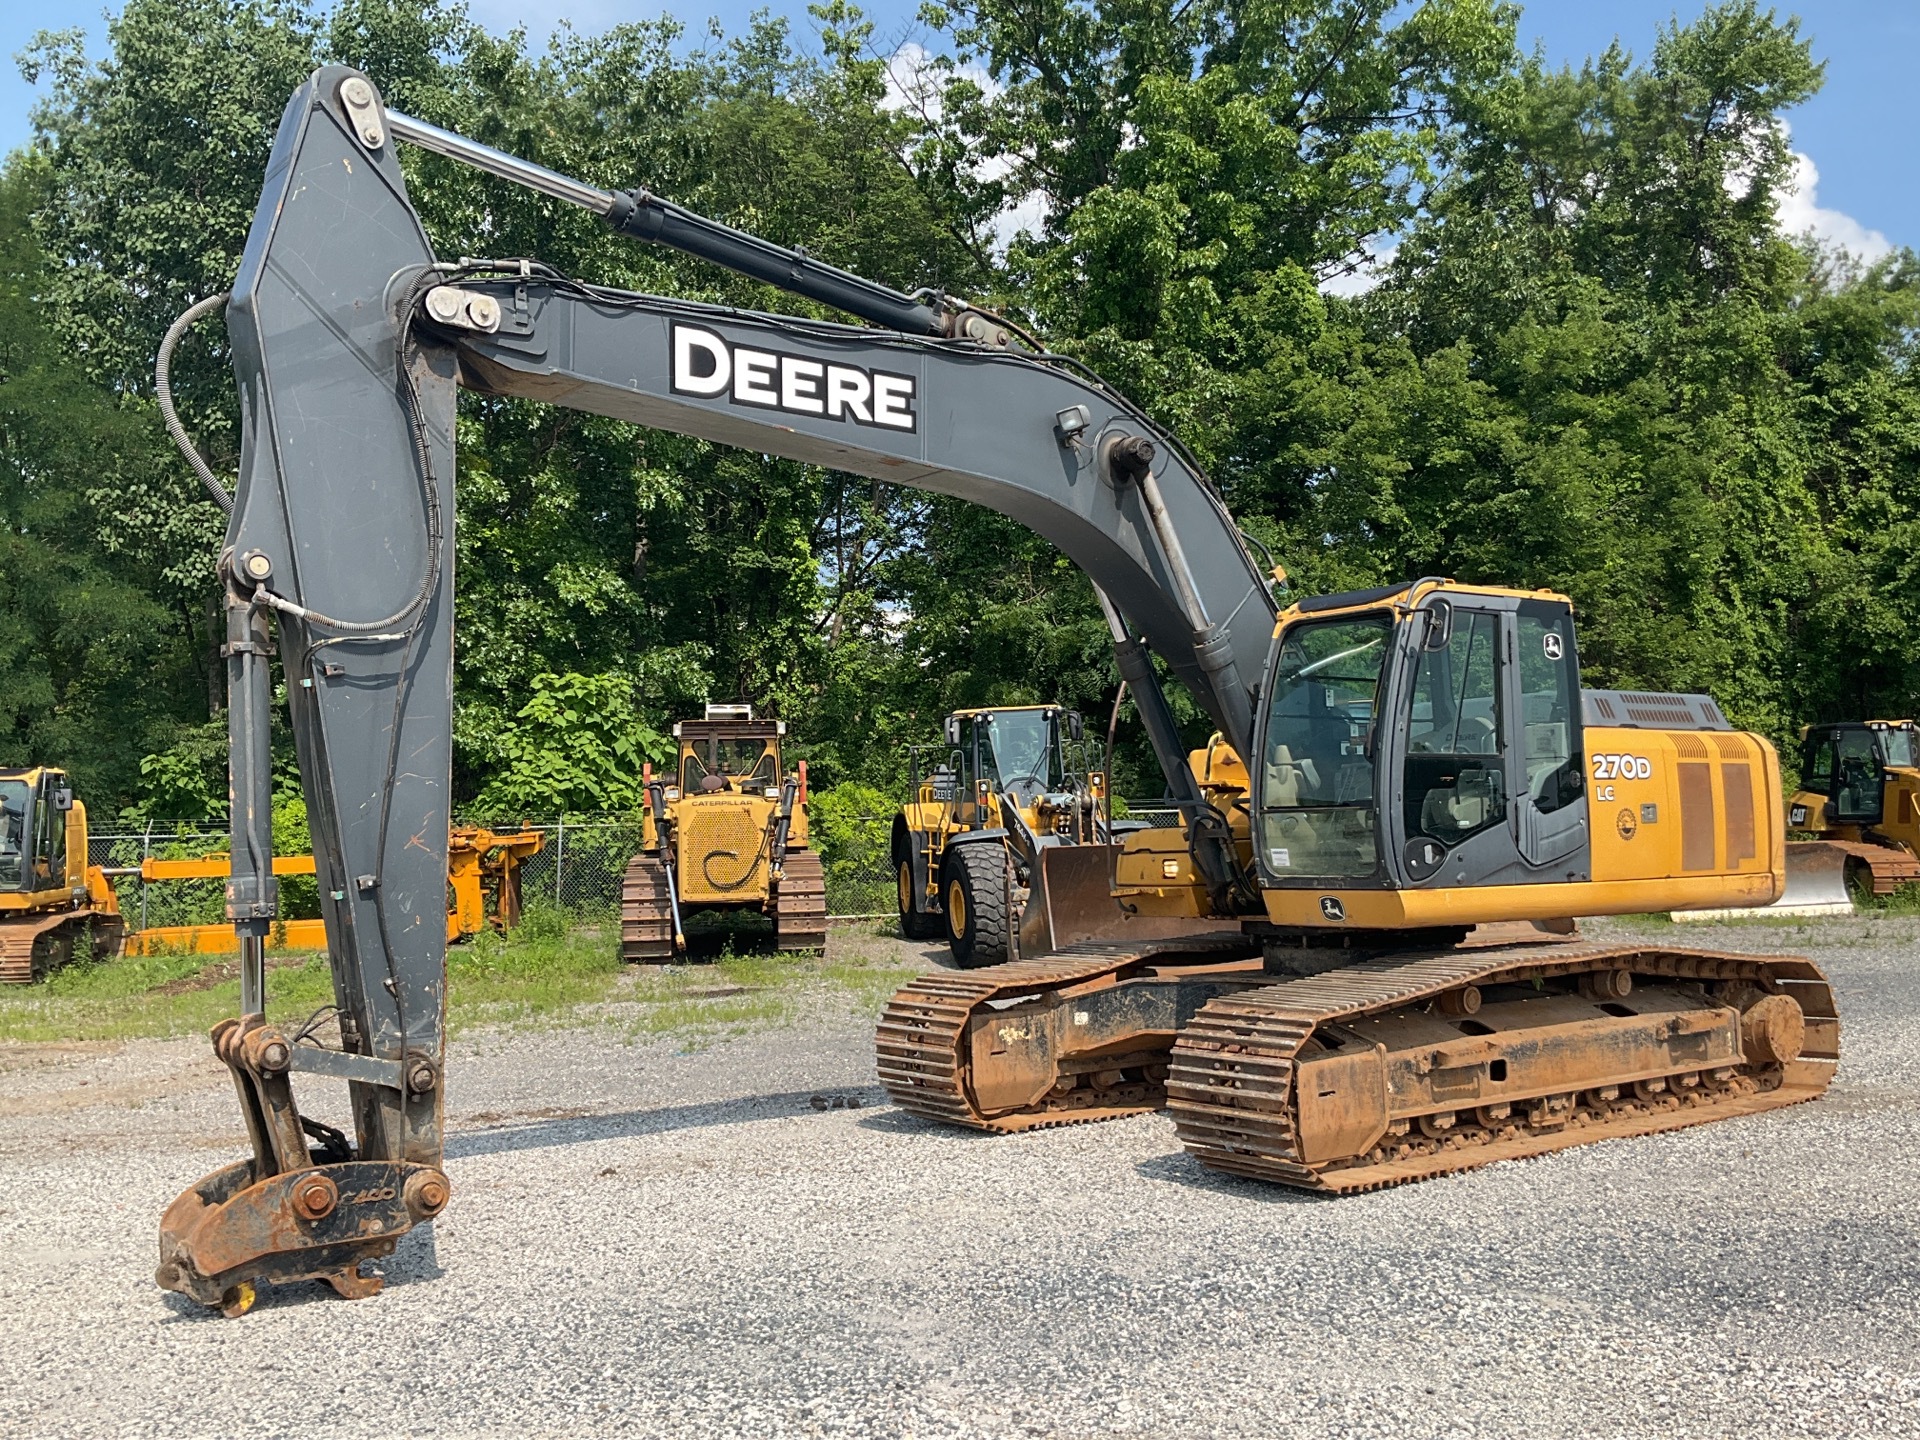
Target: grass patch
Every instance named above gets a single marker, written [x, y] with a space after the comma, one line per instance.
[554, 970]
[154, 995]
[1905, 900]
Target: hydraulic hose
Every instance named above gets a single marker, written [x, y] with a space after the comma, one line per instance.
[163, 388]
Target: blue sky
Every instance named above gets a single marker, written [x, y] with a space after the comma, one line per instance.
[1857, 178]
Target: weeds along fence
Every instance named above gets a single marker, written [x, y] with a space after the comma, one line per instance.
[577, 869]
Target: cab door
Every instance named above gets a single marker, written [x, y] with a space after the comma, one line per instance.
[1491, 775]
[1547, 750]
[1859, 784]
[1456, 774]
[49, 835]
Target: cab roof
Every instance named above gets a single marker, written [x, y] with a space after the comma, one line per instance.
[1409, 593]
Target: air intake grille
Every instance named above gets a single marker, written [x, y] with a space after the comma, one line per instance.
[1643, 710]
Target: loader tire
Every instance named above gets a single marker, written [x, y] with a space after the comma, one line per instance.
[915, 923]
[975, 891]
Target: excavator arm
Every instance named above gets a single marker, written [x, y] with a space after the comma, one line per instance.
[351, 340]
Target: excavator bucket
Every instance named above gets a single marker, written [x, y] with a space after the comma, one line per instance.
[1816, 885]
[1071, 901]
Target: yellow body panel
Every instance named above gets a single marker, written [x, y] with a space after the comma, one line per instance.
[1679, 820]
[722, 843]
[220, 939]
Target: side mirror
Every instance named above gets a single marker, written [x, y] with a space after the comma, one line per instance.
[953, 730]
[1076, 727]
[1439, 626]
[63, 799]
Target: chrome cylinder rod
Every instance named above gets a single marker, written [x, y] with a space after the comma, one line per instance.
[498, 162]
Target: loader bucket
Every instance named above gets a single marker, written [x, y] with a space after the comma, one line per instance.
[1816, 885]
[1071, 901]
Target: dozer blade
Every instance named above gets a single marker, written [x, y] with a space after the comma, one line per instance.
[1071, 901]
[1816, 885]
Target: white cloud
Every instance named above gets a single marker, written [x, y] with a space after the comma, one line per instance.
[914, 83]
[1369, 273]
[1799, 212]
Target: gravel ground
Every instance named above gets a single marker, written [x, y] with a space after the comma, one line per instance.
[651, 1241]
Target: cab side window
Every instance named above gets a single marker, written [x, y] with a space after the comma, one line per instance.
[1857, 771]
[50, 839]
[1455, 784]
[1819, 765]
[1549, 697]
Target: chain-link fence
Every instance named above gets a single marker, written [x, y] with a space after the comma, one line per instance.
[577, 869]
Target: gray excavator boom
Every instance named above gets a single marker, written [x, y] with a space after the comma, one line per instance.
[351, 340]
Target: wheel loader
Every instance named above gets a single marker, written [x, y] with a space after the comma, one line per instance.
[1001, 788]
[51, 900]
[728, 831]
[1344, 972]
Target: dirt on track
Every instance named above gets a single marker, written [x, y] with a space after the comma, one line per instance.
[741, 1238]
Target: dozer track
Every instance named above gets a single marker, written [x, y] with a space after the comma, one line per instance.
[800, 902]
[1409, 1067]
[646, 911]
[1889, 865]
[33, 946]
[926, 1040]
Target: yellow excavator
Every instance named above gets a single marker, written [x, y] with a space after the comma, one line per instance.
[727, 832]
[51, 901]
[1002, 787]
[1378, 985]
[1395, 988]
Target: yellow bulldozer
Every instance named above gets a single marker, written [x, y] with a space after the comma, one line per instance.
[728, 831]
[50, 899]
[1002, 787]
[1859, 797]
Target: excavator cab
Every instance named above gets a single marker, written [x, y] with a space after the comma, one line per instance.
[1422, 735]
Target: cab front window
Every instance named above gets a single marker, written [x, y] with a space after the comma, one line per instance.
[15, 839]
[1316, 785]
[1897, 742]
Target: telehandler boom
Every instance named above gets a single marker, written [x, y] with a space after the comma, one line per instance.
[351, 339]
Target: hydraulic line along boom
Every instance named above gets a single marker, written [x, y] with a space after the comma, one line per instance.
[351, 339]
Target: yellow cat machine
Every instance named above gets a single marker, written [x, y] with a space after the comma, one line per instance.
[728, 831]
[1002, 789]
[1430, 779]
[1860, 795]
[50, 899]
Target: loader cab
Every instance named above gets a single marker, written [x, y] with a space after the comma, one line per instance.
[729, 752]
[1424, 735]
[1847, 766]
[33, 830]
[1017, 749]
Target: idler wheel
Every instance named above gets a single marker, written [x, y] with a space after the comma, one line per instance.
[1772, 1030]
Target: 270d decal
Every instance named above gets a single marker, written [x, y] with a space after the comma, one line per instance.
[709, 366]
[1622, 767]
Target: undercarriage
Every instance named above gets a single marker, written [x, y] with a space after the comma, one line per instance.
[1397, 1066]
